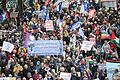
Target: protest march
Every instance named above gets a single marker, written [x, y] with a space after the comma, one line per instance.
[60, 40]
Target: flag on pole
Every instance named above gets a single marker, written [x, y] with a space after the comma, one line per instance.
[81, 33]
[25, 27]
[28, 37]
[47, 16]
[47, 2]
[105, 35]
[15, 18]
[86, 6]
[76, 25]
[115, 40]
[59, 7]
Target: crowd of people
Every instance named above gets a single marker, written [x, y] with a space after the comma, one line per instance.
[83, 65]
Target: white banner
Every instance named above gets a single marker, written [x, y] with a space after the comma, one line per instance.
[45, 47]
[7, 46]
[87, 45]
[65, 76]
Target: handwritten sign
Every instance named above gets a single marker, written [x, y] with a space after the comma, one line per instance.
[65, 76]
[7, 46]
[87, 45]
[49, 25]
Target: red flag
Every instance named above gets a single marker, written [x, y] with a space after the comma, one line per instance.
[7, 15]
[15, 18]
[113, 36]
[47, 2]
[9, 56]
[25, 27]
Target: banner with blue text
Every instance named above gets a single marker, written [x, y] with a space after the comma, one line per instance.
[45, 47]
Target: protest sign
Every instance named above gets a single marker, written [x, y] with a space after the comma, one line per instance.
[49, 25]
[87, 45]
[65, 4]
[36, 1]
[91, 13]
[109, 3]
[45, 47]
[7, 46]
[93, 40]
[111, 68]
[65, 76]
[13, 14]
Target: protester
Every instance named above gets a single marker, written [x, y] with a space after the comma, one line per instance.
[72, 24]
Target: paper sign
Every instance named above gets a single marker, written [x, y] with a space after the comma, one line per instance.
[91, 13]
[12, 15]
[49, 25]
[65, 76]
[87, 45]
[7, 46]
[36, 1]
[93, 40]
[65, 4]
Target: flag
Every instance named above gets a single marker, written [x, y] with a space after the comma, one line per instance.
[89, 59]
[47, 2]
[105, 35]
[28, 37]
[86, 6]
[59, 7]
[115, 40]
[59, 22]
[45, 14]
[81, 32]
[76, 25]
[25, 27]
[47, 17]
[7, 15]
[15, 18]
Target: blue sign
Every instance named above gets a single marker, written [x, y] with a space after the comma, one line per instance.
[45, 47]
